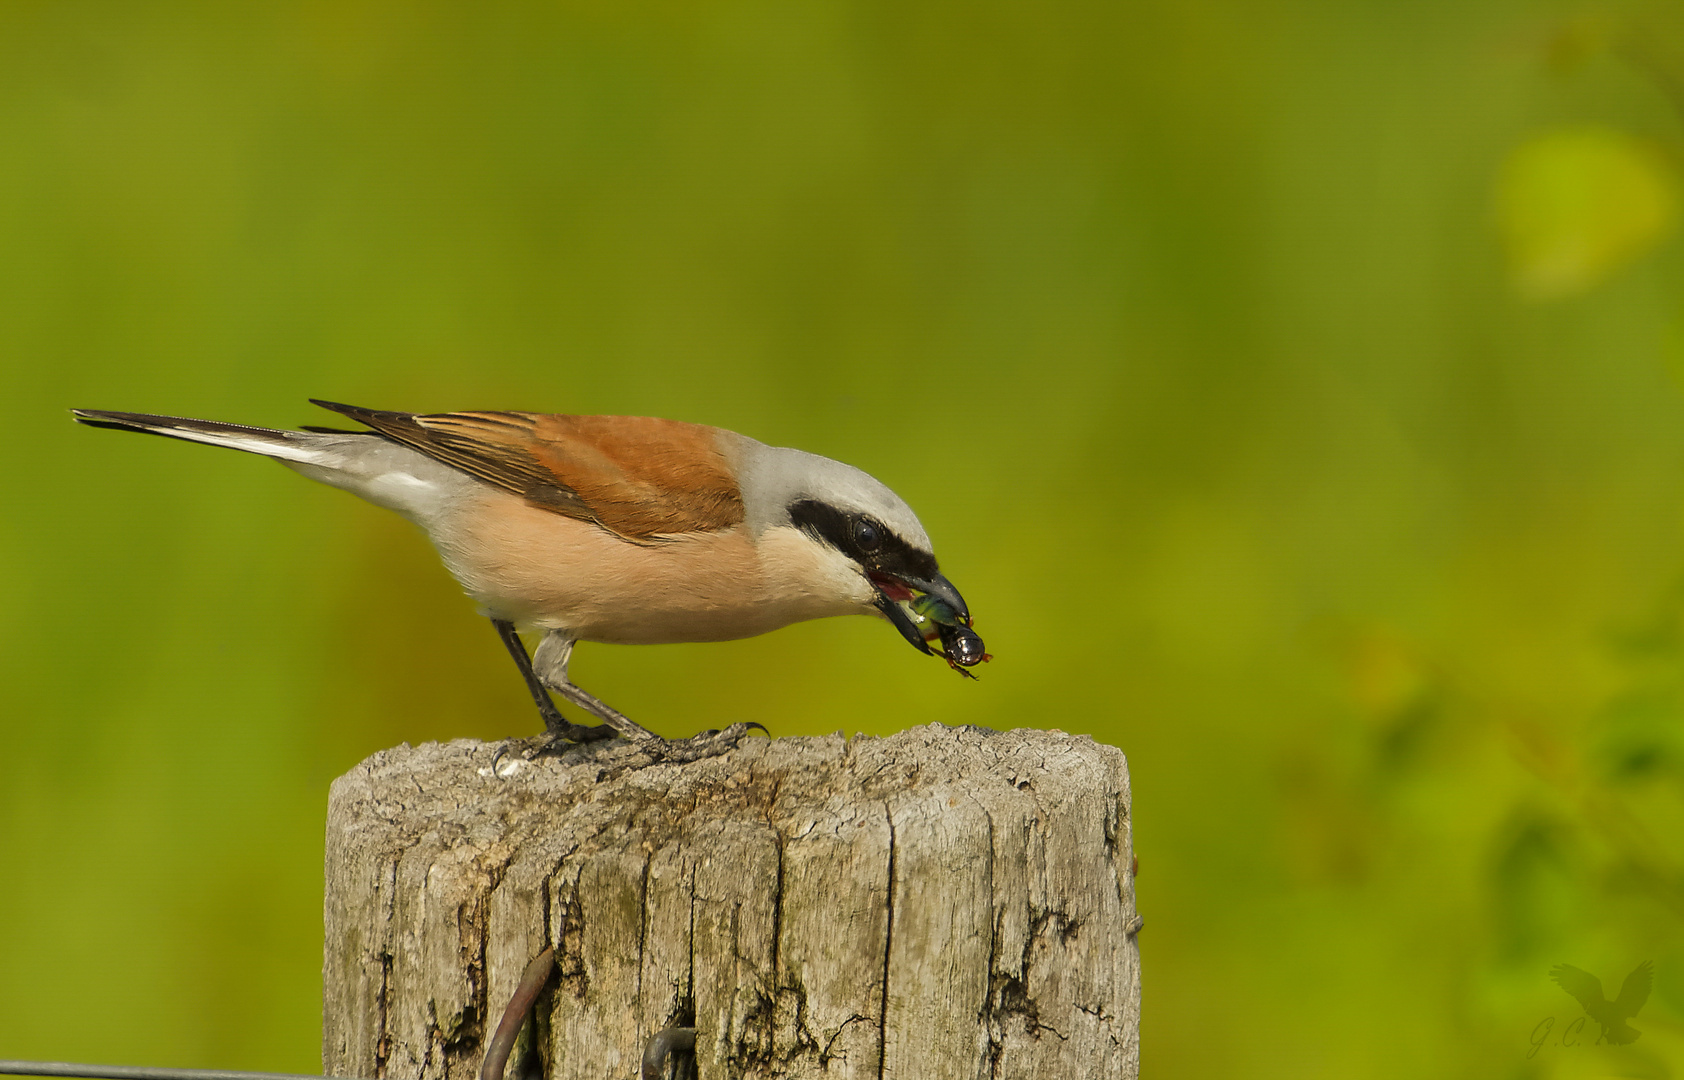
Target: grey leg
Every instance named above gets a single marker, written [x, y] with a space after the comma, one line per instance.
[555, 725]
[549, 663]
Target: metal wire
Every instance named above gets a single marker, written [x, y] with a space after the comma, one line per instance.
[514, 1017]
[140, 1072]
[678, 1041]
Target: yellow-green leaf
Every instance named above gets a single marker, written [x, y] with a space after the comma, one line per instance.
[1576, 204]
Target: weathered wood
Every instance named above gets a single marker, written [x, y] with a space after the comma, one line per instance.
[947, 902]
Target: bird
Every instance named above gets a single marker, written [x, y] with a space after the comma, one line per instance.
[1611, 1015]
[625, 530]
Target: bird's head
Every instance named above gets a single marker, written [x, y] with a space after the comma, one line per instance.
[874, 551]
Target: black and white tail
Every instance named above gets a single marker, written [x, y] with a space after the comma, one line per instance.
[299, 446]
[366, 464]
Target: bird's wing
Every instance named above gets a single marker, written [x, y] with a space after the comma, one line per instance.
[1584, 986]
[636, 476]
[1635, 990]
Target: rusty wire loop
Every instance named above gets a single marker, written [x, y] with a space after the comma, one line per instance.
[673, 1040]
[508, 1028]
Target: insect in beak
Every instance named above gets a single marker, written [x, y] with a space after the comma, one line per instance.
[934, 612]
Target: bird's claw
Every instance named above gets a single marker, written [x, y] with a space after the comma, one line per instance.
[556, 739]
[708, 743]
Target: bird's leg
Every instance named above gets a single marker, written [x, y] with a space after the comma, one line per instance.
[550, 663]
[550, 670]
[556, 727]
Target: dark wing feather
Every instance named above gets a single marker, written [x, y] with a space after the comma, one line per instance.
[638, 477]
[496, 447]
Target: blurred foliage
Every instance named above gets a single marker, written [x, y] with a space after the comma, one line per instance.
[1580, 203]
[1293, 389]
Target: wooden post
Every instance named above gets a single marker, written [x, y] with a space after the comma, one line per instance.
[946, 902]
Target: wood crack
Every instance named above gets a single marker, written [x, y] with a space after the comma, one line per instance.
[888, 952]
[944, 902]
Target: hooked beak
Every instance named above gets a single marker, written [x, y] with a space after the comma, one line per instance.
[937, 586]
[943, 589]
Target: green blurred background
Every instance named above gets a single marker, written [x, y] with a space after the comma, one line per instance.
[1293, 389]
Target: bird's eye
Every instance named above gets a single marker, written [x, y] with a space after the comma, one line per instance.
[867, 535]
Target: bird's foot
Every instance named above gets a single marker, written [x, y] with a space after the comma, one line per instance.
[706, 744]
[563, 738]
[558, 738]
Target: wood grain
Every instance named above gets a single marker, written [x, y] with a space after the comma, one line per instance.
[947, 902]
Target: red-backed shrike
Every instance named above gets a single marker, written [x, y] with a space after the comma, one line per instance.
[623, 529]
